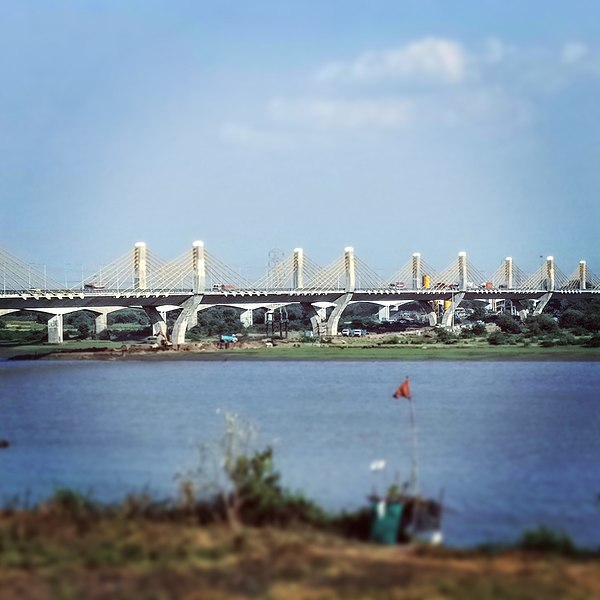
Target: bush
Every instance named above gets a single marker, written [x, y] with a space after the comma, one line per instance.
[593, 342]
[498, 338]
[545, 539]
[478, 329]
[446, 337]
[508, 324]
[541, 324]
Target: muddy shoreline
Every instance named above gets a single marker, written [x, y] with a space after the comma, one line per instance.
[299, 352]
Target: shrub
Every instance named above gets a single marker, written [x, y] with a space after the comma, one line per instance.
[593, 342]
[497, 338]
[478, 329]
[446, 337]
[541, 324]
[508, 324]
[239, 484]
[545, 539]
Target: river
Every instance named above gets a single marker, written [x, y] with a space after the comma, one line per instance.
[512, 444]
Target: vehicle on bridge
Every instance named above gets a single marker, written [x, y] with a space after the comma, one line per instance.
[223, 287]
[94, 286]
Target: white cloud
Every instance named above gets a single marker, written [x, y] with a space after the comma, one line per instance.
[246, 135]
[433, 60]
[343, 114]
[492, 88]
[495, 51]
[573, 52]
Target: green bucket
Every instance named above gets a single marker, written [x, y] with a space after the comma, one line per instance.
[386, 521]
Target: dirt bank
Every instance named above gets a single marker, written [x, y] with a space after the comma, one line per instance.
[44, 557]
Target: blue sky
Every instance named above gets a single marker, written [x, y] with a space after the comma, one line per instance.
[390, 126]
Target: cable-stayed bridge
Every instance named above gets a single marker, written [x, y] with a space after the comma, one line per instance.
[198, 280]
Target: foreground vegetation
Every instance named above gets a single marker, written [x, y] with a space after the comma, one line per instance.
[236, 533]
[132, 553]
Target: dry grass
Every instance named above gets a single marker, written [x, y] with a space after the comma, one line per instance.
[45, 554]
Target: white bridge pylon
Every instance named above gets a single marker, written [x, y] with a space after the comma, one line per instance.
[198, 280]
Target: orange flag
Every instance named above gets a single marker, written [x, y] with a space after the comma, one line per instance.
[403, 390]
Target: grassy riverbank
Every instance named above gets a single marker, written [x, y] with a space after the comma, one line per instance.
[337, 350]
[119, 555]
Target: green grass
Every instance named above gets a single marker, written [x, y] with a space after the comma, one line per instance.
[474, 351]
[354, 350]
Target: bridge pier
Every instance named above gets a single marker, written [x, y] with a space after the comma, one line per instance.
[334, 318]
[429, 311]
[247, 318]
[542, 303]
[448, 316]
[522, 309]
[101, 320]
[318, 320]
[157, 319]
[189, 309]
[56, 329]
[384, 313]
[56, 334]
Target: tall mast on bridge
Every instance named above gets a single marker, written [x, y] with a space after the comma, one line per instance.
[462, 271]
[350, 269]
[508, 272]
[140, 266]
[582, 274]
[550, 279]
[416, 271]
[298, 278]
[198, 268]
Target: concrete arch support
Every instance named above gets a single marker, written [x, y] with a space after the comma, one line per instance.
[334, 318]
[448, 316]
[189, 308]
[522, 308]
[542, 303]
[429, 311]
[159, 324]
[318, 319]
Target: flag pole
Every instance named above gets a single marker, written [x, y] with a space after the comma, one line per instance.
[403, 391]
[415, 457]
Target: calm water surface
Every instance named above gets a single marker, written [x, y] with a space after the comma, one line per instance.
[511, 444]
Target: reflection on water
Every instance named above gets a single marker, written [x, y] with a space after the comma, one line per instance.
[511, 444]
